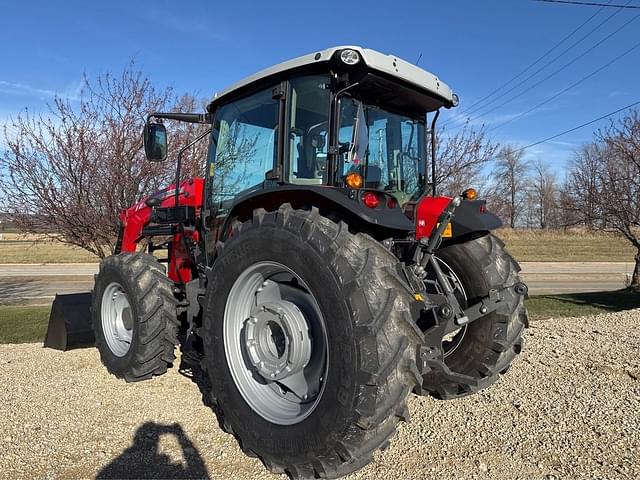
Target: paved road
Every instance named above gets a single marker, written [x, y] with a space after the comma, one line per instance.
[572, 277]
[40, 283]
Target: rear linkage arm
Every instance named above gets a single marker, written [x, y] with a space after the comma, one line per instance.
[450, 314]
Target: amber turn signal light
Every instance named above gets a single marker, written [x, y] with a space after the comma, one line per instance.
[354, 180]
[470, 194]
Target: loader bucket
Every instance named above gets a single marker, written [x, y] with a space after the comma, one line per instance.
[70, 322]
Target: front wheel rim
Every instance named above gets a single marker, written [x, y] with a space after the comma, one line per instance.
[275, 343]
[117, 319]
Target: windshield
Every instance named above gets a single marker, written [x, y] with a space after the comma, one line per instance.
[386, 148]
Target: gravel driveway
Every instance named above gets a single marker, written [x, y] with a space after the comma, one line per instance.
[569, 408]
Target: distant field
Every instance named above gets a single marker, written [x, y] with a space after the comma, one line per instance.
[26, 251]
[524, 245]
[569, 246]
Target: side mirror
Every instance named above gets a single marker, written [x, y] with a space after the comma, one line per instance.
[155, 142]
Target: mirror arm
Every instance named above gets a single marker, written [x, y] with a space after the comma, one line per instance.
[179, 162]
[182, 117]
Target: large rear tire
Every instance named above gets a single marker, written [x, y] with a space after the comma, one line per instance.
[134, 316]
[484, 349]
[346, 289]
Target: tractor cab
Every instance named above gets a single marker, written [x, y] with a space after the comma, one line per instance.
[353, 119]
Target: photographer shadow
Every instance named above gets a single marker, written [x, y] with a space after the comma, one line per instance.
[143, 458]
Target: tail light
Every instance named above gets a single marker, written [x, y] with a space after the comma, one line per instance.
[370, 199]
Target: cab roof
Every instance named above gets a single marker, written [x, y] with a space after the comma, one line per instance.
[389, 65]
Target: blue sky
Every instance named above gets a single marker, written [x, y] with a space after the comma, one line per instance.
[201, 47]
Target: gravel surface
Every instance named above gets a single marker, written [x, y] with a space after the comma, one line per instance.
[568, 408]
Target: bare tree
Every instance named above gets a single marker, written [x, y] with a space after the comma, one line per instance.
[614, 162]
[510, 177]
[543, 186]
[582, 186]
[460, 158]
[623, 138]
[620, 197]
[567, 216]
[71, 170]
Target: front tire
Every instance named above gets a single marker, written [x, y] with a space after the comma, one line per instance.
[363, 320]
[134, 316]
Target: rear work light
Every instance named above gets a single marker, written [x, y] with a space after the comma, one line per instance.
[349, 57]
[370, 199]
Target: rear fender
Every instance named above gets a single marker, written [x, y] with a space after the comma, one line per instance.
[471, 216]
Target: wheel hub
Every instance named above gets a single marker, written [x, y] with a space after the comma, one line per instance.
[277, 340]
[275, 343]
[117, 319]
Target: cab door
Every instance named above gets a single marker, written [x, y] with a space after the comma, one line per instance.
[243, 152]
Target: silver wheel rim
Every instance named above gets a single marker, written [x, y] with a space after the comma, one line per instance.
[451, 341]
[275, 343]
[117, 319]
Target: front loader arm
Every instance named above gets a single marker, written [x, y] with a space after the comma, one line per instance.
[158, 215]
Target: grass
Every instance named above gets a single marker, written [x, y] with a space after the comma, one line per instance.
[581, 304]
[566, 246]
[28, 251]
[22, 324]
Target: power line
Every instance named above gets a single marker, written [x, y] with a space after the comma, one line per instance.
[591, 4]
[534, 63]
[574, 44]
[555, 72]
[579, 126]
[573, 85]
[470, 111]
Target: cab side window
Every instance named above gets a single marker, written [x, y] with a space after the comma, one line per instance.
[244, 146]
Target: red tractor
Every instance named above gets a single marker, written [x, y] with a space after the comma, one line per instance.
[314, 274]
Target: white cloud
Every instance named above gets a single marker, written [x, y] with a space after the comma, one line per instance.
[619, 93]
[71, 92]
[11, 88]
